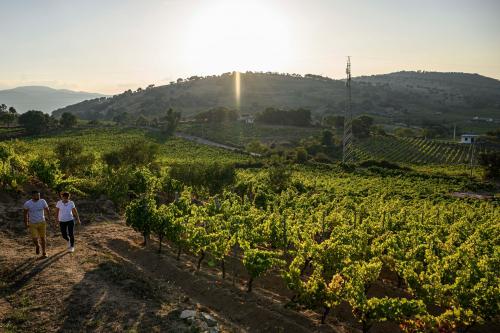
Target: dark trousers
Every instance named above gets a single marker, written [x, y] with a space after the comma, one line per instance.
[67, 230]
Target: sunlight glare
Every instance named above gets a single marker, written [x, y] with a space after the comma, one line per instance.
[237, 35]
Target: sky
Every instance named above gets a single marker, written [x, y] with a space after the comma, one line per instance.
[109, 46]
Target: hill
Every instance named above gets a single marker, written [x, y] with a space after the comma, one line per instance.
[42, 98]
[398, 98]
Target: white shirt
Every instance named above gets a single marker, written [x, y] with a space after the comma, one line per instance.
[65, 210]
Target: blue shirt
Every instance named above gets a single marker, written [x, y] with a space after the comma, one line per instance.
[35, 210]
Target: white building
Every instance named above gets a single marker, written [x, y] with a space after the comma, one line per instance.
[468, 138]
[247, 118]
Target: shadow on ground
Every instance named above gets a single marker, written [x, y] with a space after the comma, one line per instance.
[116, 297]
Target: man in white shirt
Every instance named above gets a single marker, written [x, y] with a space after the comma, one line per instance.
[35, 211]
[65, 214]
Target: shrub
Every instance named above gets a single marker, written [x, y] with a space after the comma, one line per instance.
[71, 158]
[491, 164]
[135, 154]
[213, 177]
[45, 171]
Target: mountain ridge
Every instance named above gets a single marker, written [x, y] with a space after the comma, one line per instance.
[43, 98]
[401, 97]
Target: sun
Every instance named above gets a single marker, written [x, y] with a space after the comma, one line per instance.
[238, 35]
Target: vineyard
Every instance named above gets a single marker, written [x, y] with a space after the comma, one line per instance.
[331, 240]
[417, 151]
[390, 245]
[239, 134]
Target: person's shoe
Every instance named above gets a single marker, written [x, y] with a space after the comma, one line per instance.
[71, 249]
[69, 245]
[44, 255]
[37, 249]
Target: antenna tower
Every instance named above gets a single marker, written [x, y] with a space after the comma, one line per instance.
[347, 149]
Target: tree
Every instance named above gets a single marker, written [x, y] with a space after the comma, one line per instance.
[334, 121]
[361, 126]
[169, 122]
[71, 158]
[327, 138]
[68, 120]
[218, 115]
[7, 118]
[35, 122]
[136, 153]
[12, 110]
[272, 116]
[491, 164]
[122, 118]
[3, 108]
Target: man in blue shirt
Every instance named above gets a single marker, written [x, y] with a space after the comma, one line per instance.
[35, 211]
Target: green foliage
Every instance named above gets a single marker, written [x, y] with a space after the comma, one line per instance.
[213, 177]
[137, 153]
[405, 132]
[141, 215]
[36, 122]
[257, 147]
[8, 117]
[45, 170]
[257, 262]
[217, 115]
[279, 177]
[491, 164]
[168, 123]
[71, 158]
[13, 168]
[68, 120]
[271, 116]
[361, 126]
[327, 138]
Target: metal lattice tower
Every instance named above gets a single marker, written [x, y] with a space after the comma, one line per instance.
[347, 148]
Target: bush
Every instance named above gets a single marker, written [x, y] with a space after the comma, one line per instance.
[382, 164]
[47, 172]
[12, 168]
[491, 164]
[71, 157]
[301, 155]
[135, 154]
[68, 120]
[213, 177]
[36, 122]
[279, 178]
[322, 158]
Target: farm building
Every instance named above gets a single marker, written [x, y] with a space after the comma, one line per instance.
[468, 138]
[247, 118]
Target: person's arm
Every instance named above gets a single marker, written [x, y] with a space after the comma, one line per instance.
[56, 219]
[75, 214]
[47, 213]
[26, 217]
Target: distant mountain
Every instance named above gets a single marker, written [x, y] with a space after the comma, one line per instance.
[42, 98]
[396, 98]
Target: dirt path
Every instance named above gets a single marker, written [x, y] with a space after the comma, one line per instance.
[204, 141]
[112, 284]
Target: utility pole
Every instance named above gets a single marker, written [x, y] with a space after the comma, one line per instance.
[347, 150]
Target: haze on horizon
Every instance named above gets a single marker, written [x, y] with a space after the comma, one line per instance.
[114, 45]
